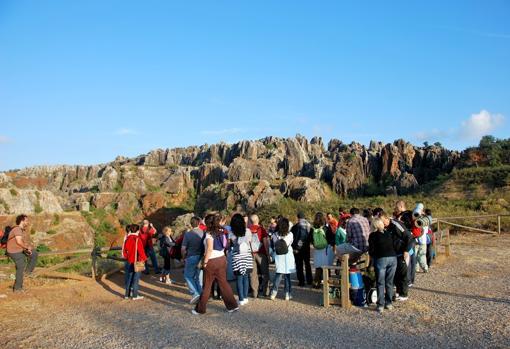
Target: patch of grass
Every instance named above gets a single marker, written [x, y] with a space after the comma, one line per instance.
[117, 188]
[152, 188]
[56, 220]
[51, 232]
[38, 208]
[43, 248]
[38, 195]
[5, 205]
[13, 192]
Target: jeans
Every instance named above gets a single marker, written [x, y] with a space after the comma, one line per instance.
[131, 281]
[166, 265]
[276, 282]
[385, 268]
[243, 285]
[411, 269]
[302, 258]
[430, 254]
[149, 251]
[20, 260]
[192, 275]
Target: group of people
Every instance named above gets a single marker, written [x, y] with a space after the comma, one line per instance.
[216, 251]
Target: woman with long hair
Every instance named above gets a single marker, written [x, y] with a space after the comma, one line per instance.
[215, 266]
[323, 241]
[133, 251]
[242, 260]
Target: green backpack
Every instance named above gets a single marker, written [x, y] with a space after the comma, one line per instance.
[340, 236]
[319, 239]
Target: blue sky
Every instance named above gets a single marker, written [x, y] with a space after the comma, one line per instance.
[84, 81]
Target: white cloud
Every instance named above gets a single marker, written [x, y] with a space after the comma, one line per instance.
[223, 132]
[432, 135]
[4, 139]
[125, 132]
[480, 124]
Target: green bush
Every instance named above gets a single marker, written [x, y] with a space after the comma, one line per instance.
[56, 220]
[38, 208]
[13, 192]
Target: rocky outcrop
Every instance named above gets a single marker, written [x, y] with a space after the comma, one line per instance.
[24, 201]
[245, 175]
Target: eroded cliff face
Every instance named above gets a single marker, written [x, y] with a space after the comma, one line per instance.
[244, 175]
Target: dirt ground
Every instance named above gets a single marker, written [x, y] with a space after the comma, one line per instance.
[463, 302]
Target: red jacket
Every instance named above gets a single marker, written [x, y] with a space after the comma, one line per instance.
[147, 235]
[262, 234]
[128, 249]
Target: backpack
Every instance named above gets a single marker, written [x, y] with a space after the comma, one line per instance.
[281, 247]
[175, 251]
[340, 236]
[4, 237]
[319, 239]
[219, 242]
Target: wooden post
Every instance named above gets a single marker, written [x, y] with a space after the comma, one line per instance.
[94, 263]
[447, 246]
[499, 225]
[325, 287]
[344, 282]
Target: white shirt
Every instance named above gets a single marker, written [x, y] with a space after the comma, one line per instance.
[214, 253]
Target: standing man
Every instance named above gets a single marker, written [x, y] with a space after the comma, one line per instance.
[358, 230]
[332, 222]
[147, 234]
[261, 257]
[19, 247]
[301, 247]
[192, 251]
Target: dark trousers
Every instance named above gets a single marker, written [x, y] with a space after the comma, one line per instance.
[401, 281]
[302, 258]
[429, 255]
[216, 270]
[149, 251]
[131, 280]
[20, 260]
[260, 268]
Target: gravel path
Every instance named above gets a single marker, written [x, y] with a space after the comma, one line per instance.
[464, 302]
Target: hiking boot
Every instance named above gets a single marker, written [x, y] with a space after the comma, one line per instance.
[232, 310]
[137, 298]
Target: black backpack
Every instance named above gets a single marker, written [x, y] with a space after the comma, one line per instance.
[280, 247]
[5, 236]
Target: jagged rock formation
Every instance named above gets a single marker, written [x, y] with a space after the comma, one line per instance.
[245, 175]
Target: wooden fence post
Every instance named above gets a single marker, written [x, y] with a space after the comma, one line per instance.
[344, 282]
[447, 246]
[499, 225]
[94, 263]
[325, 287]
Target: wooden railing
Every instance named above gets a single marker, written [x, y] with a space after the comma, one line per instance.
[446, 221]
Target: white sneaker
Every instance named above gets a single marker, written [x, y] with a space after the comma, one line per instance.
[195, 299]
[232, 310]
[137, 298]
[288, 297]
[169, 281]
[243, 302]
[402, 299]
[272, 296]
[194, 312]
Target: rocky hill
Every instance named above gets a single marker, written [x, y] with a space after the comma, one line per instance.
[245, 175]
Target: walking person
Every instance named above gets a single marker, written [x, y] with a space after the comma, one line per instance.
[192, 251]
[165, 244]
[382, 251]
[215, 266]
[284, 258]
[133, 252]
[147, 234]
[242, 261]
[301, 249]
[260, 276]
[323, 241]
[19, 249]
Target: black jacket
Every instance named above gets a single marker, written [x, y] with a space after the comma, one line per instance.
[402, 237]
[300, 232]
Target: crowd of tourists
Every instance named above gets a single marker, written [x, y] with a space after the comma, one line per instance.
[221, 251]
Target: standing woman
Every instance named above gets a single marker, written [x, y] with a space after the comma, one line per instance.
[165, 244]
[284, 258]
[382, 251]
[242, 260]
[133, 251]
[215, 266]
[323, 241]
